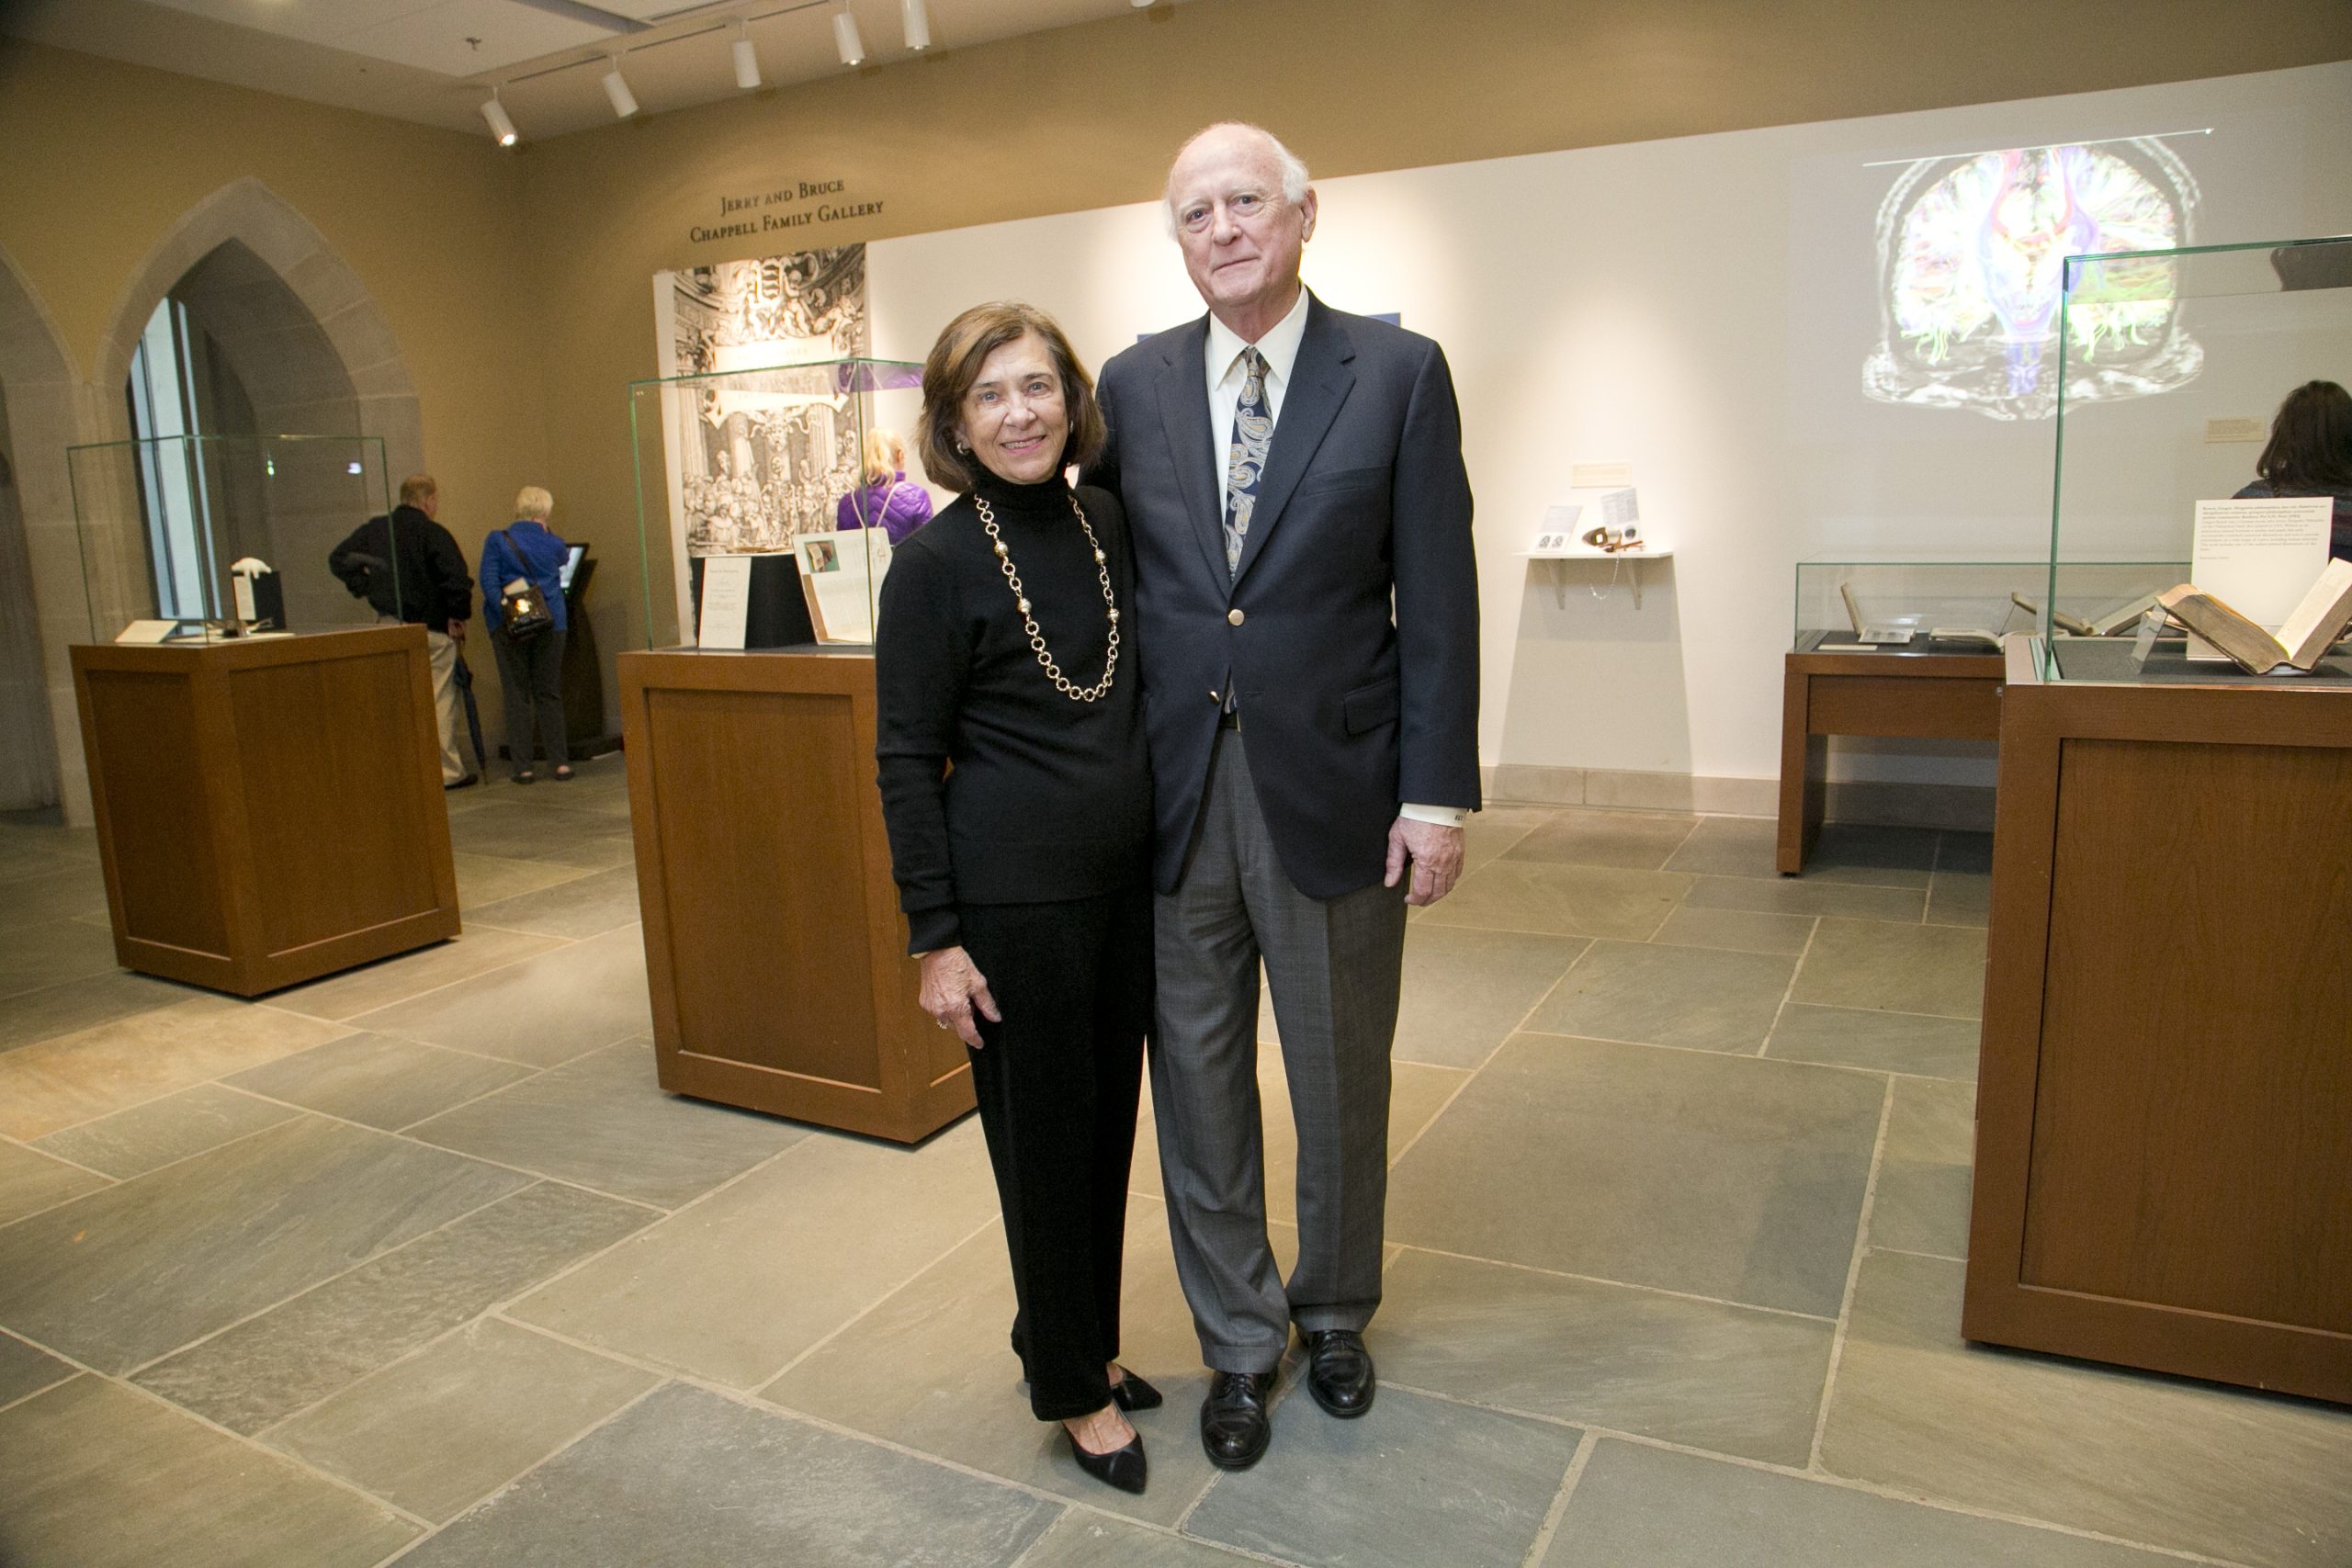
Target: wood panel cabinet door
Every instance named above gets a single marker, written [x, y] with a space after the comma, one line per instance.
[774, 944]
[2164, 1151]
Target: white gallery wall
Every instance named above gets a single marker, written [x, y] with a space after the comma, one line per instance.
[1702, 308]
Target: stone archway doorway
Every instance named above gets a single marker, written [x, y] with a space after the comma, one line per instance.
[41, 605]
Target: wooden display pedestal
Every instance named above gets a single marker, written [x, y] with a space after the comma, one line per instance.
[2163, 1156]
[1871, 691]
[269, 810]
[772, 937]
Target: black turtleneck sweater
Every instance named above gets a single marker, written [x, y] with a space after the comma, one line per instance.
[996, 787]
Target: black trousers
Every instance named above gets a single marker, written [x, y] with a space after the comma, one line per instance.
[1058, 1082]
[530, 676]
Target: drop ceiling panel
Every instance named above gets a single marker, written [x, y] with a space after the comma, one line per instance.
[409, 58]
[460, 38]
[317, 21]
[665, 10]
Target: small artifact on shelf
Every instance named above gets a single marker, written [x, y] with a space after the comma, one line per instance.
[1867, 634]
[2064, 622]
[2123, 619]
[2325, 615]
[1975, 636]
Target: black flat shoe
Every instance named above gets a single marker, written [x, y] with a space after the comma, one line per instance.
[1122, 1467]
[1234, 1425]
[1131, 1393]
[1339, 1374]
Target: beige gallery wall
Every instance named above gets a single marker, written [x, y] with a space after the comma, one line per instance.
[103, 160]
[1088, 116]
[515, 286]
[104, 166]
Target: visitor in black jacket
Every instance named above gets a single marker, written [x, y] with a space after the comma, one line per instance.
[431, 588]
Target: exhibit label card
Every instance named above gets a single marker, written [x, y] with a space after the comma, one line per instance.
[842, 571]
[2259, 557]
[1557, 537]
[726, 601]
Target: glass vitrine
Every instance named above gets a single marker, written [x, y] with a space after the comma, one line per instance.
[2249, 324]
[768, 500]
[201, 538]
[1963, 606]
[1915, 606]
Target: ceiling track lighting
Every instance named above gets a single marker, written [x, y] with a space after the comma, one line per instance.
[845, 39]
[616, 89]
[501, 125]
[915, 16]
[747, 59]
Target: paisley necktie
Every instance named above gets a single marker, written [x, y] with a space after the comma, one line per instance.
[1253, 433]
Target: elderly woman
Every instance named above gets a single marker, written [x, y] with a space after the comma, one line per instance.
[530, 668]
[1018, 799]
[885, 500]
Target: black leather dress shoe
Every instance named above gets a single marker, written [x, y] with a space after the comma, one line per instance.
[1234, 1427]
[1122, 1467]
[1339, 1373]
[1131, 1393]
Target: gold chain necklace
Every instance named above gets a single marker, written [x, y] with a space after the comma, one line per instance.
[1062, 682]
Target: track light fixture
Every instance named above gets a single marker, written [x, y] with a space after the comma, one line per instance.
[845, 37]
[915, 16]
[616, 89]
[747, 59]
[500, 126]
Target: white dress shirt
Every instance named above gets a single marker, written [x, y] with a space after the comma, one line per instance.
[1279, 349]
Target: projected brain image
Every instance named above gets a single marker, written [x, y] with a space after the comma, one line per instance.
[1971, 257]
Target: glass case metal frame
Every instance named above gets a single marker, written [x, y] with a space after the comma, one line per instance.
[755, 461]
[2309, 339]
[161, 522]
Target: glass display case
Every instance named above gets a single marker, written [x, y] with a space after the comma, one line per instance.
[755, 524]
[2252, 323]
[202, 538]
[1942, 606]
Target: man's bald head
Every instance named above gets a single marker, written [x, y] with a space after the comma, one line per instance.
[1242, 212]
[1289, 170]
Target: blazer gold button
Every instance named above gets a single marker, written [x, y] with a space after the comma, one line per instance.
[1233, 617]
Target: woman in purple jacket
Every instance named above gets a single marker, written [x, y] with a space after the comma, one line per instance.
[886, 498]
[531, 669]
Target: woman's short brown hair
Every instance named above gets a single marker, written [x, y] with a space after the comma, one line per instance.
[954, 364]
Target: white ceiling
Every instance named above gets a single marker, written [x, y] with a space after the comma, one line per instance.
[433, 62]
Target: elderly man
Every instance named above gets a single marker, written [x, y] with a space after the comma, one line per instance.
[1308, 617]
[436, 591]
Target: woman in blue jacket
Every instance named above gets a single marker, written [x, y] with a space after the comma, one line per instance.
[530, 668]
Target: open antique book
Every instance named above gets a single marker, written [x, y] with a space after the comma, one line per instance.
[2062, 621]
[2325, 615]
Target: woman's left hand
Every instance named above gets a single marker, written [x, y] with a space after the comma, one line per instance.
[953, 990]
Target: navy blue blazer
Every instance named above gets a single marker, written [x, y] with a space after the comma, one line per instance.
[1350, 633]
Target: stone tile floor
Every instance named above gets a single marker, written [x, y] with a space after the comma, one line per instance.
[417, 1264]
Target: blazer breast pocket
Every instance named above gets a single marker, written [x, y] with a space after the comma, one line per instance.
[1343, 481]
[1368, 707]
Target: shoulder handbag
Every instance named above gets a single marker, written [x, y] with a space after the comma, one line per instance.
[523, 612]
